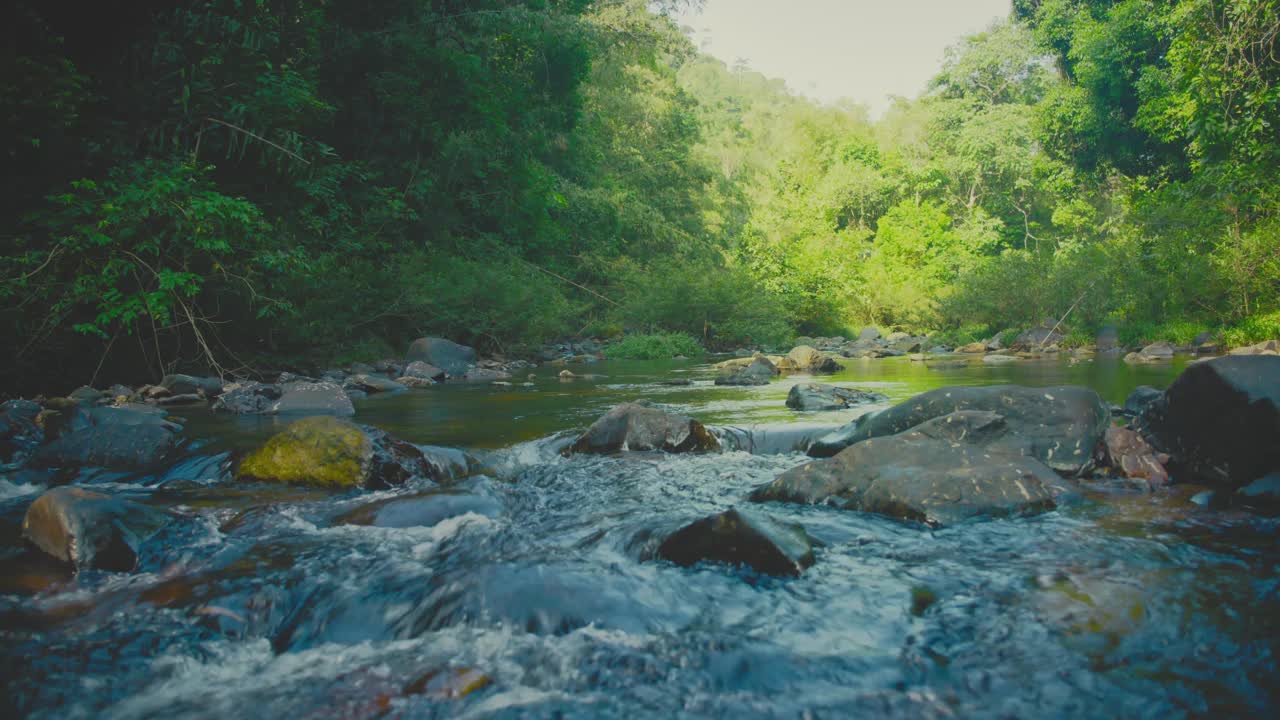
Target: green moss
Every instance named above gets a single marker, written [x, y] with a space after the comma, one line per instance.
[320, 451]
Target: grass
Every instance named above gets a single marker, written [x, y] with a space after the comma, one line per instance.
[657, 346]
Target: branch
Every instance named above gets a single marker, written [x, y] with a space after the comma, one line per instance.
[281, 148]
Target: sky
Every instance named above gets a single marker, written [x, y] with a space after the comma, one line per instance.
[864, 50]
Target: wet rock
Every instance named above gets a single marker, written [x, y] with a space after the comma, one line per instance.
[948, 469]
[191, 385]
[426, 371]
[248, 398]
[1131, 455]
[1220, 420]
[420, 510]
[288, 377]
[416, 383]
[117, 439]
[482, 375]
[820, 396]
[88, 529]
[321, 398]
[808, 359]
[1062, 425]
[1269, 347]
[758, 372]
[999, 359]
[1036, 338]
[973, 347]
[1262, 494]
[373, 384]
[641, 426]
[447, 355]
[741, 537]
[324, 451]
[1156, 352]
[191, 399]
[1141, 397]
[19, 433]
[449, 683]
[86, 395]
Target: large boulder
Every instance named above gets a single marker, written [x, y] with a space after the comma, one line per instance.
[641, 426]
[1220, 420]
[312, 398]
[1153, 353]
[447, 355]
[325, 451]
[869, 334]
[89, 529]
[1062, 425]
[820, 396]
[951, 468]
[741, 537]
[808, 358]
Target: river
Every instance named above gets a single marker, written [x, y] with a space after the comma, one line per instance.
[256, 603]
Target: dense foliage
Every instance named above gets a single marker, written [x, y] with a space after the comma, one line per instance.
[214, 182]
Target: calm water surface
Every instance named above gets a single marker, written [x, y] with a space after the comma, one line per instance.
[254, 603]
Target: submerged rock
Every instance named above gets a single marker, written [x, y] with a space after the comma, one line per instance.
[820, 396]
[88, 529]
[1062, 425]
[1220, 420]
[325, 451]
[641, 426]
[741, 537]
[447, 355]
[945, 470]
[420, 510]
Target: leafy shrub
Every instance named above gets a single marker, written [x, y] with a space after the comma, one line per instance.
[1253, 329]
[658, 346]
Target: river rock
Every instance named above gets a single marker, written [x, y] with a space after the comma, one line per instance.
[19, 433]
[191, 385]
[1141, 397]
[415, 383]
[447, 355]
[426, 371]
[1220, 420]
[973, 347]
[869, 334]
[894, 337]
[641, 426]
[741, 537]
[481, 375]
[1128, 453]
[759, 372]
[1036, 338]
[820, 396]
[319, 398]
[420, 510]
[326, 451]
[1000, 359]
[123, 440]
[1062, 424]
[807, 358]
[1268, 347]
[1155, 352]
[945, 470]
[1262, 494]
[373, 384]
[88, 529]
[247, 398]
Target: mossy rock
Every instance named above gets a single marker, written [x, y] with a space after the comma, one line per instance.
[321, 451]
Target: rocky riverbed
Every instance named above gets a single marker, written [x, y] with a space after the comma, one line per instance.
[991, 550]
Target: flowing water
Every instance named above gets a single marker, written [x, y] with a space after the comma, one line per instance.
[256, 603]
